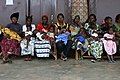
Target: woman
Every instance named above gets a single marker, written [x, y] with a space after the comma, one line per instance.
[1, 37]
[91, 26]
[117, 30]
[80, 42]
[44, 25]
[63, 45]
[95, 47]
[10, 42]
[45, 32]
[75, 26]
[14, 25]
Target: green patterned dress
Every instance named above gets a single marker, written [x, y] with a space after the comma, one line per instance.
[117, 29]
[96, 49]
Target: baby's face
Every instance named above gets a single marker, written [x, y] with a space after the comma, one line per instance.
[51, 30]
[109, 21]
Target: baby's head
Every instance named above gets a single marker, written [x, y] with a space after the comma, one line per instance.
[94, 36]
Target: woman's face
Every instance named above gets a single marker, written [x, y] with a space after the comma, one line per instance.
[118, 21]
[28, 22]
[51, 29]
[14, 20]
[77, 20]
[111, 31]
[92, 19]
[44, 21]
[60, 19]
[108, 21]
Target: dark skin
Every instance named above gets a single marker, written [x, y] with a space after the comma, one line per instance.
[14, 20]
[118, 33]
[92, 19]
[92, 22]
[109, 22]
[82, 32]
[110, 32]
[28, 23]
[77, 21]
[44, 21]
[61, 22]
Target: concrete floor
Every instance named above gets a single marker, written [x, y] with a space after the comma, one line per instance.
[48, 69]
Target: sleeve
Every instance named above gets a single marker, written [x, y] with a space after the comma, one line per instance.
[24, 28]
[8, 26]
[105, 35]
[39, 27]
[33, 27]
[20, 29]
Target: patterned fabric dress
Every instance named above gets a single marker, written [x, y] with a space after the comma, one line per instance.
[117, 29]
[91, 28]
[42, 48]
[10, 46]
[10, 43]
[96, 49]
[27, 49]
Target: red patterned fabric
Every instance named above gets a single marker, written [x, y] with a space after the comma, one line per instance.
[10, 46]
[40, 27]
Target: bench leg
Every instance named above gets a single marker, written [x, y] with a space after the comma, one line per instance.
[55, 52]
[76, 55]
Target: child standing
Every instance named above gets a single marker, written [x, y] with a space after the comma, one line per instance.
[109, 44]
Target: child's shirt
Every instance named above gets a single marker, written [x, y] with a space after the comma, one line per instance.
[110, 36]
[28, 32]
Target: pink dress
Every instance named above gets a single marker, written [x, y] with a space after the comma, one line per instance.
[109, 45]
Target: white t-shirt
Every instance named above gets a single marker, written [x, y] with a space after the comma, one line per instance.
[24, 29]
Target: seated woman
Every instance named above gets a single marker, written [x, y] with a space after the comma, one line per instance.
[27, 44]
[91, 24]
[75, 26]
[45, 28]
[10, 42]
[117, 30]
[80, 42]
[1, 37]
[45, 32]
[61, 29]
[15, 26]
[95, 47]
[44, 25]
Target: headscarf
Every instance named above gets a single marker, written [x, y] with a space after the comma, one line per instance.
[15, 15]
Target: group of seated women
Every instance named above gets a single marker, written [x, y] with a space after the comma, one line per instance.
[88, 37]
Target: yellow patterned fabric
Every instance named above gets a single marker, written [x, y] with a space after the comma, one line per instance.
[12, 34]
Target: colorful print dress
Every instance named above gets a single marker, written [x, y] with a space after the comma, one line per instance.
[96, 49]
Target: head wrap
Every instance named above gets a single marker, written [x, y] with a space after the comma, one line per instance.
[45, 17]
[15, 15]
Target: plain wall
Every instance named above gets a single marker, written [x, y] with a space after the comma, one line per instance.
[103, 8]
[7, 10]
[107, 8]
